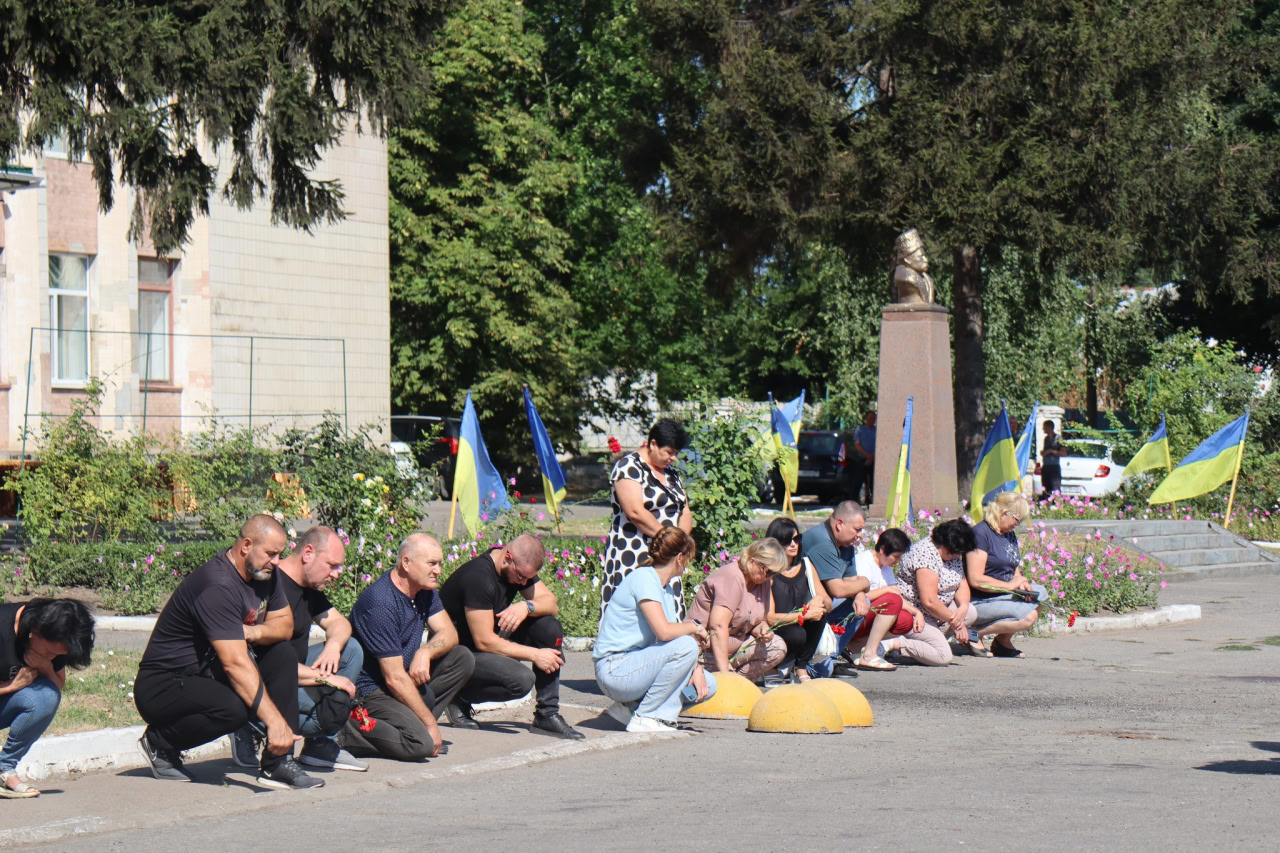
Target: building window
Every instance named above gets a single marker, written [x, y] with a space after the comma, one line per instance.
[69, 316]
[155, 320]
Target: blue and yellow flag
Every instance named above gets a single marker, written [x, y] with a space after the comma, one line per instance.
[784, 423]
[1215, 461]
[1022, 451]
[899, 505]
[552, 473]
[1153, 454]
[477, 485]
[997, 463]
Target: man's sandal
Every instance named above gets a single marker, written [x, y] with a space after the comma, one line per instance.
[19, 791]
[875, 664]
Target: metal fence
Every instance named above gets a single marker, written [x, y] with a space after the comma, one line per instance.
[165, 382]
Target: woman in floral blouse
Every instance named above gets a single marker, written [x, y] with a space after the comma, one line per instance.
[931, 576]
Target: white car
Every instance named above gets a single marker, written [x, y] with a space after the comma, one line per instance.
[1088, 469]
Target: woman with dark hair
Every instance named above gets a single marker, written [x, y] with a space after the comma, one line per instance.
[647, 496]
[797, 602]
[644, 657]
[932, 578]
[38, 640]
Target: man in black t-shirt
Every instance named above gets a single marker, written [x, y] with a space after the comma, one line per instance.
[326, 671]
[1051, 453]
[38, 640]
[199, 680]
[502, 635]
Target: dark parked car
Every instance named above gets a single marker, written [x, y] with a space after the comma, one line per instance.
[429, 439]
[822, 468]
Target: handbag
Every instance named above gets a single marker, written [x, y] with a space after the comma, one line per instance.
[827, 643]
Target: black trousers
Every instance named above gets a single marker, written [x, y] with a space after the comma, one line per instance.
[397, 732]
[184, 711]
[802, 642]
[1050, 479]
[860, 474]
[498, 678]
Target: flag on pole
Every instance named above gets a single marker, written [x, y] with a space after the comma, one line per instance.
[899, 505]
[1215, 461]
[1022, 451]
[997, 463]
[1153, 454]
[552, 473]
[477, 485]
[784, 423]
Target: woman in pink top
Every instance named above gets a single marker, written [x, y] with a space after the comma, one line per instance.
[731, 603]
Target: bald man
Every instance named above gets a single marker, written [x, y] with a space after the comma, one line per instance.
[505, 637]
[405, 685]
[219, 657]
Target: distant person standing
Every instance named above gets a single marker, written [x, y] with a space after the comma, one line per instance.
[648, 495]
[862, 462]
[1051, 454]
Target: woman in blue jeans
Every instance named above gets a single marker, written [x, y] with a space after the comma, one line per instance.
[644, 657]
[38, 640]
[994, 572]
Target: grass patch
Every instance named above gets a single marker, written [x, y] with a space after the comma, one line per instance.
[99, 696]
[1271, 641]
[1238, 647]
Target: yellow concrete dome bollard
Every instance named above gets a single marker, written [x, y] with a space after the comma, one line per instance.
[734, 698]
[795, 708]
[854, 708]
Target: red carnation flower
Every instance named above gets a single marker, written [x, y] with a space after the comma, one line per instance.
[615, 446]
[361, 715]
[1071, 621]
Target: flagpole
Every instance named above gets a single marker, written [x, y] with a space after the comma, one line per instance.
[555, 510]
[1234, 478]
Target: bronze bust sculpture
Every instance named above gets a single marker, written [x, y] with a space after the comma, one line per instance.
[911, 282]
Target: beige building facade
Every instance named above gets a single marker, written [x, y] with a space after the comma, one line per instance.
[248, 323]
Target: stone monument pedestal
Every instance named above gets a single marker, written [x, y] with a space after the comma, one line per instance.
[915, 360]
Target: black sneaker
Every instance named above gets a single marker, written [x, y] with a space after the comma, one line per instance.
[246, 746]
[288, 775]
[460, 717]
[554, 725]
[165, 764]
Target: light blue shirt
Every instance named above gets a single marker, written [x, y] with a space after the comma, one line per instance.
[624, 628]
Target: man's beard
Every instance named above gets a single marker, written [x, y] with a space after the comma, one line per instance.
[262, 574]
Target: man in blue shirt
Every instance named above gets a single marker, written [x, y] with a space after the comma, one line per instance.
[830, 547]
[405, 685]
[862, 462]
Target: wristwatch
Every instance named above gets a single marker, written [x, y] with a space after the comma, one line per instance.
[530, 606]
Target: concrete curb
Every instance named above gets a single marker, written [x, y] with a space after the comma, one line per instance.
[1170, 614]
[95, 751]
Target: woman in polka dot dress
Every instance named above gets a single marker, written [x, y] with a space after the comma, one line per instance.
[647, 495]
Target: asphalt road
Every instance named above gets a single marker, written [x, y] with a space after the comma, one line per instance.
[1151, 739]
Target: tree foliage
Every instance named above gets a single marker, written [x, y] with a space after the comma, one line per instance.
[145, 90]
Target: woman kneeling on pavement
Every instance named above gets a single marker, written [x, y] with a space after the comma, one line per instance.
[644, 658]
[893, 616]
[994, 576]
[797, 602]
[732, 603]
[931, 577]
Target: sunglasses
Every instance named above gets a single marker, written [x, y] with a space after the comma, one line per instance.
[785, 541]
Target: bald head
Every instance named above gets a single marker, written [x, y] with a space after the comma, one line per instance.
[847, 521]
[527, 551]
[419, 563]
[848, 511]
[259, 527]
[414, 544]
[256, 553]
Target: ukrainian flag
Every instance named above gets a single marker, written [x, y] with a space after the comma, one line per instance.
[899, 505]
[997, 463]
[477, 485]
[552, 473]
[1022, 452]
[784, 423]
[1210, 465]
[1153, 454]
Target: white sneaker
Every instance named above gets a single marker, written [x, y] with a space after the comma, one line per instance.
[648, 724]
[620, 713]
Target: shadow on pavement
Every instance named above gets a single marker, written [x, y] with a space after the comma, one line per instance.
[1261, 767]
[1268, 745]
[582, 685]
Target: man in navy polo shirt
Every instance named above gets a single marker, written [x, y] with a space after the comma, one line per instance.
[405, 685]
[830, 547]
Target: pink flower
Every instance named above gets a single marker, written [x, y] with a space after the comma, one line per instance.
[150, 559]
[484, 516]
[1163, 584]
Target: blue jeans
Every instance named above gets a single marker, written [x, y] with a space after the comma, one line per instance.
[653, 676]
[349, 663]
[1005, 608]
[26, 714]
[842, 609]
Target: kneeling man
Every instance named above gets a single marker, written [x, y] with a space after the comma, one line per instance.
[504, 636]
[326, 671]
[405, 685]
[219, 656]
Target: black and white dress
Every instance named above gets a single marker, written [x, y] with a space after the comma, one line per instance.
[627, 545]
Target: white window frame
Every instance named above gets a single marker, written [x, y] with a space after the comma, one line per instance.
[167, 342]
[57, 380]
